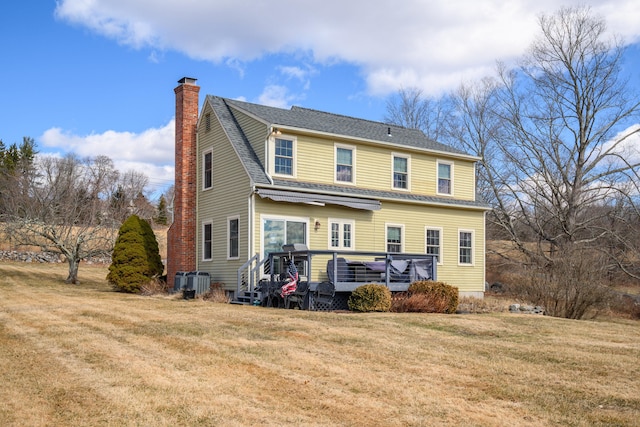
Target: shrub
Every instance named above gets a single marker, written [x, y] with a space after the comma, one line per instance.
[427, 296]
[216, 293]
[573, 285]
[135, 261]
[371, 297]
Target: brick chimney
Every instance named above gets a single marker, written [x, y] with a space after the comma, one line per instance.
[181, 237]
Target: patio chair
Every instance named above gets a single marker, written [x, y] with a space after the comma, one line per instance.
[298, 297]
[325, 291]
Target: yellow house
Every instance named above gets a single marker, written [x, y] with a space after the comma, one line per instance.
[250, 178]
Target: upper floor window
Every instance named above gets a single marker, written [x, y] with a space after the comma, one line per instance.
[284, 160]
[433, 242]
[400, 172]
[207, 241]
[445, 178]
[233, 235]
[207, 168]
[465, 247]
[394, 238]
[344, 163]
[341, 234]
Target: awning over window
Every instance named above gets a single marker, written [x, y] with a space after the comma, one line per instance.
[318, 199]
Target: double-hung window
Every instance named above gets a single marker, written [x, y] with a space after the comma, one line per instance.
[465, 247]
[445, 178]
[394, 238]
[233, 234]
[433, 242]
[284, 157]
[207, 170]
[341, 234]
[400, 172]
[207, 241]
[344, 164]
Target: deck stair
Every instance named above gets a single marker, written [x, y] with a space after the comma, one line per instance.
[247, 298]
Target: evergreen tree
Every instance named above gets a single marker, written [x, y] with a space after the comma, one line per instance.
[162, 216]
[136, 257]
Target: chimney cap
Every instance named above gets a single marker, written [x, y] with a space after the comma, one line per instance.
[187, 80]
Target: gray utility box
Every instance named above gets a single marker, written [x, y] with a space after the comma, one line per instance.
[180, 281]
[198, 281]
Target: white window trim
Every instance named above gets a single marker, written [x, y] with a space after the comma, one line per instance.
[204, 155]
[444, 162]
[353, 163]
[264, 218]
[404, 156]
[386, 235]
[272, 156]
[342, 222]
[440, 245]
[204, 224]
[229, 219]
[473, 243]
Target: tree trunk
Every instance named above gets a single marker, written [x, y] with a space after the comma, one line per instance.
[72, 278]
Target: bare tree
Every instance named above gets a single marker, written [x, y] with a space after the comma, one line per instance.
[564, 176]
[412, 109]
[567, 109]
[67, 209]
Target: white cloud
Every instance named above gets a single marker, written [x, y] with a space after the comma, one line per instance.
[626, 143]
[276, 96]
[150, 152]
[428, 43]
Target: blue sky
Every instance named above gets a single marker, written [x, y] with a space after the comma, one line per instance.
[97, 76]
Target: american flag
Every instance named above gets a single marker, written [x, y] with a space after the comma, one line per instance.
[290, 287]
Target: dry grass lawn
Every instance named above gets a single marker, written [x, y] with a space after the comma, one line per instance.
[80, 355]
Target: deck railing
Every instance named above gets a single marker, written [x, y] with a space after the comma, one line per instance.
[345, 269]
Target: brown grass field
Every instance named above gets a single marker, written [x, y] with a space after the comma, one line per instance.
[81, 355]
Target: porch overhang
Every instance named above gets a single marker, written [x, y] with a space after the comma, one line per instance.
[319, 199]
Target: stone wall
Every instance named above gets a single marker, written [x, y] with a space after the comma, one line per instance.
[45, 257]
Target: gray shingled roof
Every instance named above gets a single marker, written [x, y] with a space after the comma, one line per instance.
[336, 124]
[239, 141]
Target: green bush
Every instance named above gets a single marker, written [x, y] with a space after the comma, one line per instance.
[371, 297]
[135, 260]
[427, 296]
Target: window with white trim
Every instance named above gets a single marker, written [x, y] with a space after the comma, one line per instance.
[394, 238]
[233, 237]
[345, 156]
[401, 172]
[207, 241]
[277, 231]
[341, 234]
[433, 242]
[284, 157]
[465, 247]
[207, 170]
[445, 178]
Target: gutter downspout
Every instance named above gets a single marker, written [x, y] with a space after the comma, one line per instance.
[267, 155]
[251, 213]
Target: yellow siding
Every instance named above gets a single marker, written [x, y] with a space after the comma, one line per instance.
[373, 167]
[228, 197]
